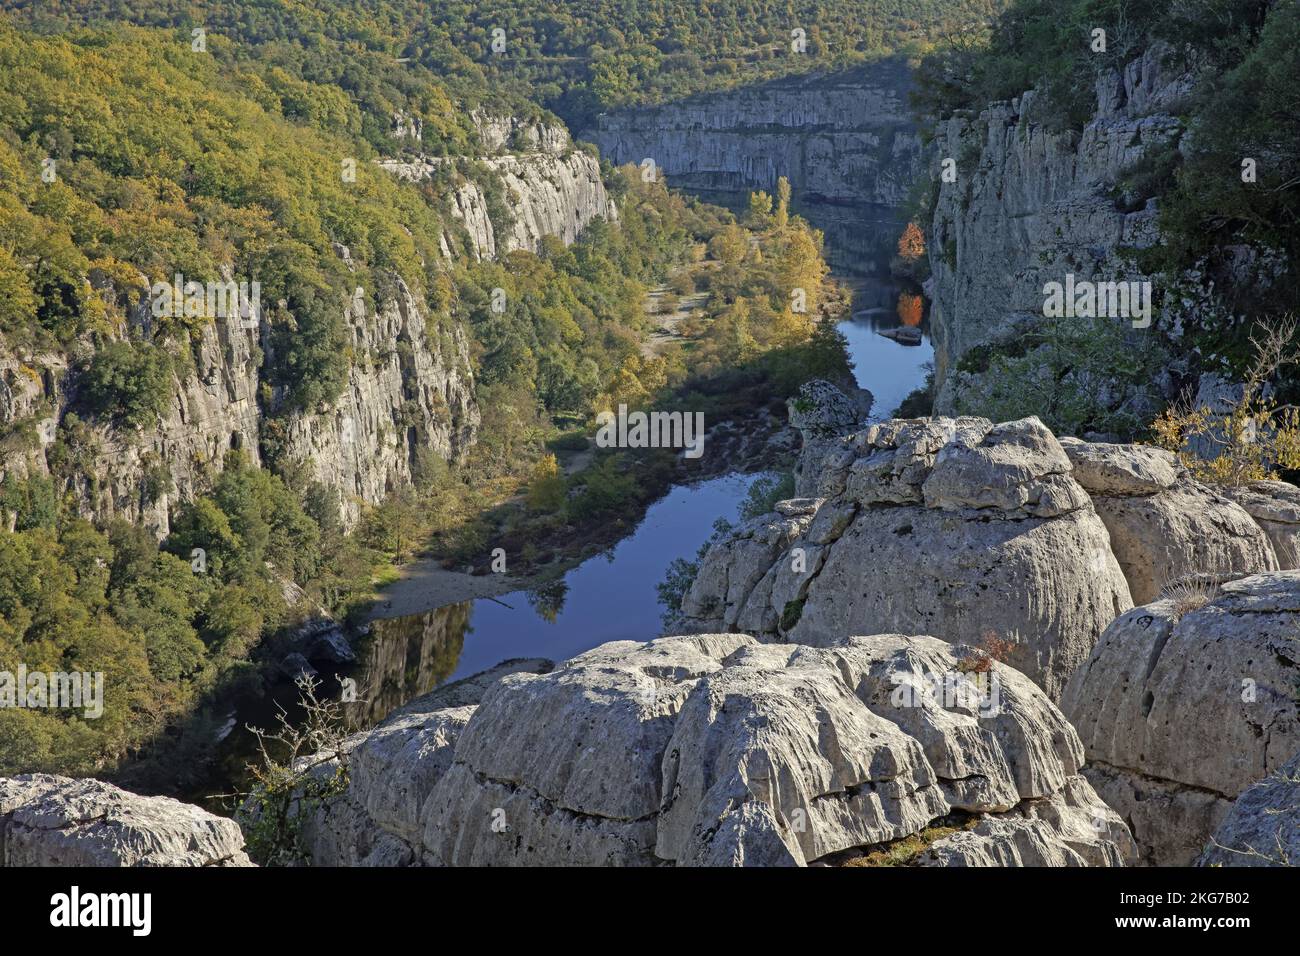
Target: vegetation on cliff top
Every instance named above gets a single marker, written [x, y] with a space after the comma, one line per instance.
[1227, 188]
[576, 58]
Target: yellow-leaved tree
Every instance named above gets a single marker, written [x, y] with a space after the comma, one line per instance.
[801, 267]
[1247, 438]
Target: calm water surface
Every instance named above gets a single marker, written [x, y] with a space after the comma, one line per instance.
[612, 595]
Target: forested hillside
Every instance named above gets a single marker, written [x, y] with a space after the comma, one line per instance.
[576, 58]
[128, 156]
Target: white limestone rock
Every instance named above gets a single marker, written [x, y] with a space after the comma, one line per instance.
[1165, 526]
[48, 820]
[718, 750]
[1181, 708]
[955, 527]
[1263, 826]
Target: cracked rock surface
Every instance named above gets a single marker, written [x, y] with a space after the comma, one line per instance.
[1263, 826]
[56, 821]
[1165, 526]
[717, 749]
[1275, 506]
[1182, 707]
[954, 527]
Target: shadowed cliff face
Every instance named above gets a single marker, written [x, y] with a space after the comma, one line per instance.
[845, 141]
[1030, 204]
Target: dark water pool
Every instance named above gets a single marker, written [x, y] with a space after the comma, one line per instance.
[609, 597]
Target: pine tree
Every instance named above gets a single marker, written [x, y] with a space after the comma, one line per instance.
[782, 203]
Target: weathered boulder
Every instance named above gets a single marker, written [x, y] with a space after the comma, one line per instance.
[956, 527]
[391, 771]
[823, 410]
[1263, 826]
[1275, 506]
[56, 821]
[1186, 702]
[720, 750]
[1164, 525]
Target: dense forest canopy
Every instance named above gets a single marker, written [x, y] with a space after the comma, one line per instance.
[575, 57]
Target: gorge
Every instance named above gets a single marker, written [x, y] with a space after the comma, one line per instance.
[945, 578]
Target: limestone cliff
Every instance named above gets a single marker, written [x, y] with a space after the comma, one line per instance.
[1030, 204]
[410, 386]
[845, 141]
[551, 187]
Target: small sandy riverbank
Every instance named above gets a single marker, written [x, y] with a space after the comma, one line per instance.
[425, 585]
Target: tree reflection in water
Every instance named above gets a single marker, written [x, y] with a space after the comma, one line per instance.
[548, 599]
[404, 657]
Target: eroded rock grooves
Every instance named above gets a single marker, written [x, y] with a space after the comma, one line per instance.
[955, 527]
[1034, 202]
[1165, 526]
[721, 750]
[1186, 702]
[55, 821]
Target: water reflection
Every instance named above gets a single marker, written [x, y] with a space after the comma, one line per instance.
[608, 597]
[404, 657]
[548, 599]
[888, 335]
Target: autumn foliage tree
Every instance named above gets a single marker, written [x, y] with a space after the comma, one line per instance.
[911, 244]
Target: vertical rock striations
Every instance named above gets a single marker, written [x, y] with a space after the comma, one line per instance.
[1032, 203]
[410, 387]
[846, 141]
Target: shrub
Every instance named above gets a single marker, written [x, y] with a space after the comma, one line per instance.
[546, 486]
[129, 383]
[765, 492]
[1253, 436]
[303, 764]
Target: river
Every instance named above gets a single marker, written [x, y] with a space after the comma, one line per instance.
[610, 596]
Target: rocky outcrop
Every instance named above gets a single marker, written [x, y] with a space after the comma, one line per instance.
[1032, 203]
[1275, 506]
[138, 475]
[500, 133]
[550, 187]
[1166, 527]
[822, 410]
[1263, 826]
[956, 527]
[1186, 702]
[56, 821]
[409, 392]
[844, 137]
[846, 141]
[391, 769]
[719, 750]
